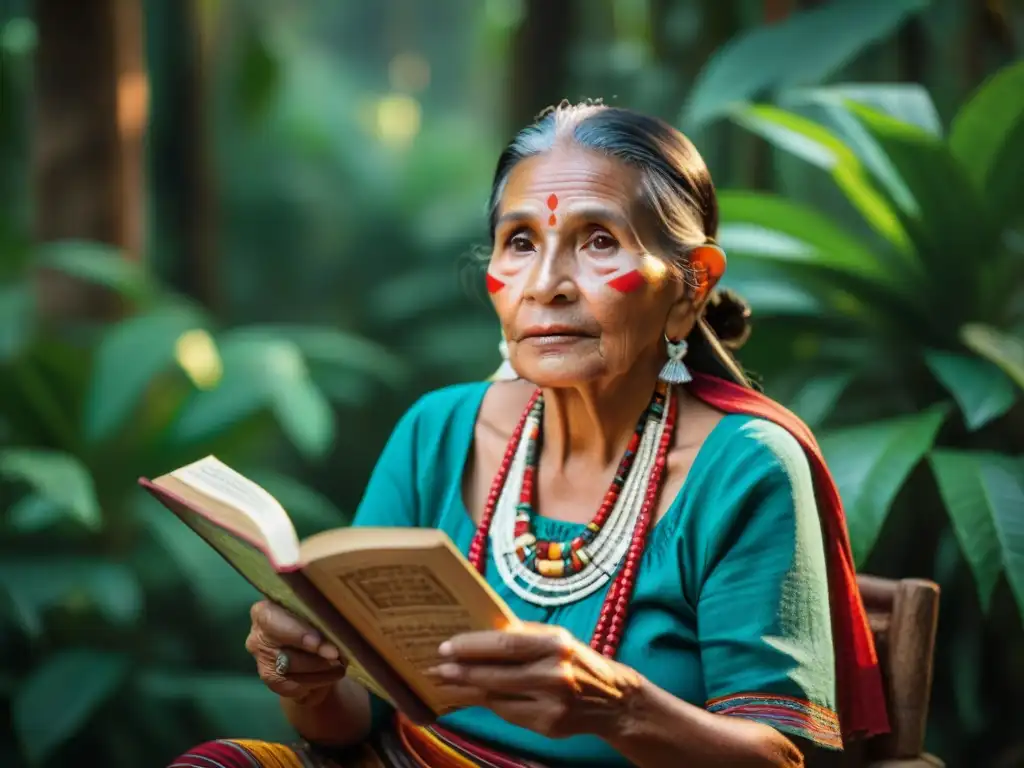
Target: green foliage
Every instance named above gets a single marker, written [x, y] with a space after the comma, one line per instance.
[84, 555]
[934, 300]
[805, 48]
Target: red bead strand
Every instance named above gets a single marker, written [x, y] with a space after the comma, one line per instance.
[617, 600]
[478, 547]
[614, 610]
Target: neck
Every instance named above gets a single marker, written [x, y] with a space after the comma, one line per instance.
[593, 423]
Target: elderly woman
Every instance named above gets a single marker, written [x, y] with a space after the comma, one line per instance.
[671, 539]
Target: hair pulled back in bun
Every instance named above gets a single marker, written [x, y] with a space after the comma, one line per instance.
[729, 317]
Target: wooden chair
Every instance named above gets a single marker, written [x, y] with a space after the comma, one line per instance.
[903, 616]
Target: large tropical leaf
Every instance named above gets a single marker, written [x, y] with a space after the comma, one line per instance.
[949, 224]
[979, 387]
[335, 348]
[59, 477]
[129, 357]
[38, 583]
[812, 142]
[984, 493]
[803, 50]
[987, 137]
[59, 697]
[907, 102]
[99, 264]
[1004, 350]
[260, 372]
[870, 463]
[220, 591]
[772, 228]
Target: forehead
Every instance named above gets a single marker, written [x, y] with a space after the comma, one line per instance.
[575, 175]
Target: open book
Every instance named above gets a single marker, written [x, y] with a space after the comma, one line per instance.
[387, 597]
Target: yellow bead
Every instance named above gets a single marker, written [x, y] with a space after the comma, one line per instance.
[554, 550]
[551, 568]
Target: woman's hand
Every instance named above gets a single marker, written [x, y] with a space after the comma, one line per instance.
[539, 677]
[309, 667]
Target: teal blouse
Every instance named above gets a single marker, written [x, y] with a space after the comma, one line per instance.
[731, 608]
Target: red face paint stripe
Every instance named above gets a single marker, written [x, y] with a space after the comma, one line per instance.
[553, 202]
[494, 284]
[552, 220]
[631, 281]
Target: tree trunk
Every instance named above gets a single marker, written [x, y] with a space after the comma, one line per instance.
[540, 60]
[91, 101]
[180, 139]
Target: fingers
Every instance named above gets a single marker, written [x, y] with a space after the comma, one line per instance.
[514, 678]
[280, 629]
[527, 643]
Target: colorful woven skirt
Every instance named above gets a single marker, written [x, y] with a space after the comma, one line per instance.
[403, 745]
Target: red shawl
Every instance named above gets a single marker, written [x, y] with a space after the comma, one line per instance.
[862, 709]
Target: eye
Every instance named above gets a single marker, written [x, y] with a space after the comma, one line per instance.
[520, 242]
[602, 242]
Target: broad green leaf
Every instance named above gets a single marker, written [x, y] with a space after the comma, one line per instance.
[260, 372]
[1004, 350]
[981, 389]
[804, 49]
[130, 355]
[332, 347]
[59, 698]
[984, 493]
[774, 229]
[987, 137]
[870, 463]
[59, 477]
[812, 142]
[38, 583]
[17, 319]
[33, 512]
[951, 222]
[909, 102]
[220, 590]
[304, 414]
[96, 263]
[817, 398]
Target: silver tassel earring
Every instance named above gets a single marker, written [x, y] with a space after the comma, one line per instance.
[675, 371]
[505, 372]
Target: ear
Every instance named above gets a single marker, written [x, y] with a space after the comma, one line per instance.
[707, 263]
[706, 266]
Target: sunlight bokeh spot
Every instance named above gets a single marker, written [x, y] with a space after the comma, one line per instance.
[398, 120]
[196, 353]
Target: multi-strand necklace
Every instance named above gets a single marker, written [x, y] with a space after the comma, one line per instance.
[552, 573]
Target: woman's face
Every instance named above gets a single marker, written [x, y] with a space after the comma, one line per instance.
[579, 297]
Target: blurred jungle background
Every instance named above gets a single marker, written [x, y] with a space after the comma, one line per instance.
[245, 227]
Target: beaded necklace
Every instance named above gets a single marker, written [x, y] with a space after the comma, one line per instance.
[556, 573]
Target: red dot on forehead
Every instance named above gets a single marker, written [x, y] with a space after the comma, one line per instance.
[553, 202]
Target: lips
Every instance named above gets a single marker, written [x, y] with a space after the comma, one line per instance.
[553, 331]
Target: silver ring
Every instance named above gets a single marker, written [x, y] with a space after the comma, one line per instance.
[282, 663]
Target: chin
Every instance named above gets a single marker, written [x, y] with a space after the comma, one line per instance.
[557, 373]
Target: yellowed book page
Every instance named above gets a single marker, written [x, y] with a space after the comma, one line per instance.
[407, 602]
[255, 567]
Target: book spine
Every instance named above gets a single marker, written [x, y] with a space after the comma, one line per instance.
[404, 697]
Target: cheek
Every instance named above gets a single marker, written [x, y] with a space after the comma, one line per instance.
[630, 282]
[493, 284]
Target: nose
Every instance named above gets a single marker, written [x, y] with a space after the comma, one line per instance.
[552, 278]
